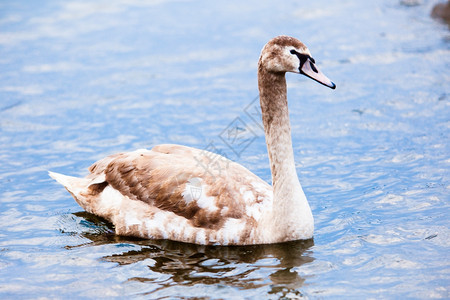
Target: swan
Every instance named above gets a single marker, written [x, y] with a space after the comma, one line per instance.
[167, 193]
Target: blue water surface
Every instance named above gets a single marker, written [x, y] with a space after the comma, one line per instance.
[80, 80]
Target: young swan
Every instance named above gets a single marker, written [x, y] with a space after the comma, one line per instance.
[190, 195]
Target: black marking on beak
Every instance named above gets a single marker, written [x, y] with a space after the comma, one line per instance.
[310, 70]
[313, 67]
[303, 59]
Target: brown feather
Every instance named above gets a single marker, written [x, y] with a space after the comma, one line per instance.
[159, 177]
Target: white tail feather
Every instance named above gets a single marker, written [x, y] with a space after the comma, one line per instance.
[72, 184]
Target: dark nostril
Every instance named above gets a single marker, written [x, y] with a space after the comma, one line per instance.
[313, 67]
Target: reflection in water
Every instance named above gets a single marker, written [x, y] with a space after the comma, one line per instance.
[173, 263]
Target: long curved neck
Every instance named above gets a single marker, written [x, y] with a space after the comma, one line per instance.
[275, 115]
[291, 209]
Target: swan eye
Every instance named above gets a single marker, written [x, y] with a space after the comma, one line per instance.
[303, 58]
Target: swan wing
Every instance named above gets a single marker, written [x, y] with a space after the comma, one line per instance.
[202, 187]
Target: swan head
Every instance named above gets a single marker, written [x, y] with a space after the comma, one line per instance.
[287, 54]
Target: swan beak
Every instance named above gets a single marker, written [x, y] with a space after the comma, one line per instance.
[309, 69]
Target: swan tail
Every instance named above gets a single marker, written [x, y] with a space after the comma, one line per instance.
[73, 185]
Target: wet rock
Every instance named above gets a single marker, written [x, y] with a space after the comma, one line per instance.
[441, 11]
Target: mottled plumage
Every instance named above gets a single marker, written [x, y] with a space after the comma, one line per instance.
[190, 195]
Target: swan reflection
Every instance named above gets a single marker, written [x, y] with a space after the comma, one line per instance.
[172, 263]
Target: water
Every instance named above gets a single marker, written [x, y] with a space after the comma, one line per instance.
[81, 79]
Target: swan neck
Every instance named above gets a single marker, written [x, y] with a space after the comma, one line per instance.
[275, 115]
[291, 214]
